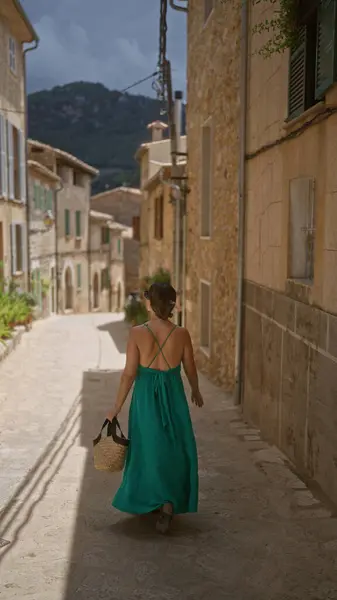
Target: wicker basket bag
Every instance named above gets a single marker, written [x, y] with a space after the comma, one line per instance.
[110, 448]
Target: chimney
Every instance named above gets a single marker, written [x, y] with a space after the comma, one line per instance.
[178, 96]
[157, 128]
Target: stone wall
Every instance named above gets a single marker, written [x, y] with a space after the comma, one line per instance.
[290, 379]
[213, 93]
[156, 253]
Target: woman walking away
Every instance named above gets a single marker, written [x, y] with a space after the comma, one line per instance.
[161, 471]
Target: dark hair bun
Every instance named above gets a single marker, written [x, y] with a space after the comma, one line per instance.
[162, 297]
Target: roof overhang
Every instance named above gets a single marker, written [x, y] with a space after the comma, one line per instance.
[33, 165]
[65, 157]
[19, 23]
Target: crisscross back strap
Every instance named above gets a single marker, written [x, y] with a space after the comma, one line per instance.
[160, 347]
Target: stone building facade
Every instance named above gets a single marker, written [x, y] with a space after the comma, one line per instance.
[42, 186]
[106, 263]
[124, 205]
[72, 225]
[213, 158]
[290, 304]
[15, 30]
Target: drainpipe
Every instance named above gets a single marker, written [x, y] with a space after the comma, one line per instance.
[58, 276]
[178, 230]
[241, 199]
[33, 47]
[179, 8]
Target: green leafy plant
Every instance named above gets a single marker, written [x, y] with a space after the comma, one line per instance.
[282, 27]
[5, 333]
[135, 312]
[45, 284]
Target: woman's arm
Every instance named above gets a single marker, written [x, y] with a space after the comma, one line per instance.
[128, 376]
[191, 370]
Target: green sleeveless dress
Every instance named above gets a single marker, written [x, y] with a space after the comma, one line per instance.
[162, 462]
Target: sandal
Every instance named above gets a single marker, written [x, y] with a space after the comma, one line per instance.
[165, 519]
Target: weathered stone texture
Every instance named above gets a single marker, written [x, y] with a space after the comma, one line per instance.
[157, 253]
[213, 91]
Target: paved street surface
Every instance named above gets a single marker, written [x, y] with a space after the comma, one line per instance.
[260, 533]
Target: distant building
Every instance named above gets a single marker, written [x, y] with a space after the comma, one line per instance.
[15, 30]
[43, 184]
[106, 263]
[123, 204]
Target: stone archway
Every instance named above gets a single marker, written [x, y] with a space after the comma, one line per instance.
[69, 289]
[96, 291]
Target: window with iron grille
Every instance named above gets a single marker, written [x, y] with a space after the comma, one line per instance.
[302, 229]
[206, 180]
[313, 66]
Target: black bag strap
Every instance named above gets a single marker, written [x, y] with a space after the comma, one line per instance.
[112, 432]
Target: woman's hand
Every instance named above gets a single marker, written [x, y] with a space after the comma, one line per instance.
[111, 415]
[197, 399]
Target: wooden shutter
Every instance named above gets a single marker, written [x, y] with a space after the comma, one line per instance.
[206, 178]
[10, 161]
[297, 70]
[13, 247]
[3, 158]
[22, 159]
[136, 228]
[24, 247]
[67, 221]
[78, 223]
[79, 277]
[326, 47]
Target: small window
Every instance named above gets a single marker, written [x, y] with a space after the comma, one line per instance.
[205, 315]
[79, 276]
[36, 196]
[159, 217]
[312, 68]
[78, 223]
[105, 236]
[136, 228]
[12, 54]
[206, 180]
[119, 246]
[78, 179]
[105, 279]
[302, 229]
[67, 222]
[17, 247]
[208, 7]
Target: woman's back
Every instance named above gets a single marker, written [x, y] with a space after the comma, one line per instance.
[161, 344]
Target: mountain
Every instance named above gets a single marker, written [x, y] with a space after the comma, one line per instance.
[104, 128]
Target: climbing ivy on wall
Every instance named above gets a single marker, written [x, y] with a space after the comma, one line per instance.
[282, 27]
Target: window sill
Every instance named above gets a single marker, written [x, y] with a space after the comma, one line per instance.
[78, 238]
[299, 289]
[206, 237]
[206, 351]
[206, 22]
[17, 274]
[311, 112]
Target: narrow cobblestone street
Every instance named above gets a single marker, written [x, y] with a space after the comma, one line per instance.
[260, 533]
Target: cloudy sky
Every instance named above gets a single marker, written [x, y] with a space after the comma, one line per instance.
[114, 42]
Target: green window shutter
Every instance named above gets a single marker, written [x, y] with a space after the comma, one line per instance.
[49, 200]
[36, 196]
[326, 47]
[79, 276]
[105, 235]
[78, 223]
[297, 71]
[67, 221]
[119, 246]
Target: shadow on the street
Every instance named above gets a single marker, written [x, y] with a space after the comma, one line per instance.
[118, 330]
[107, 545]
